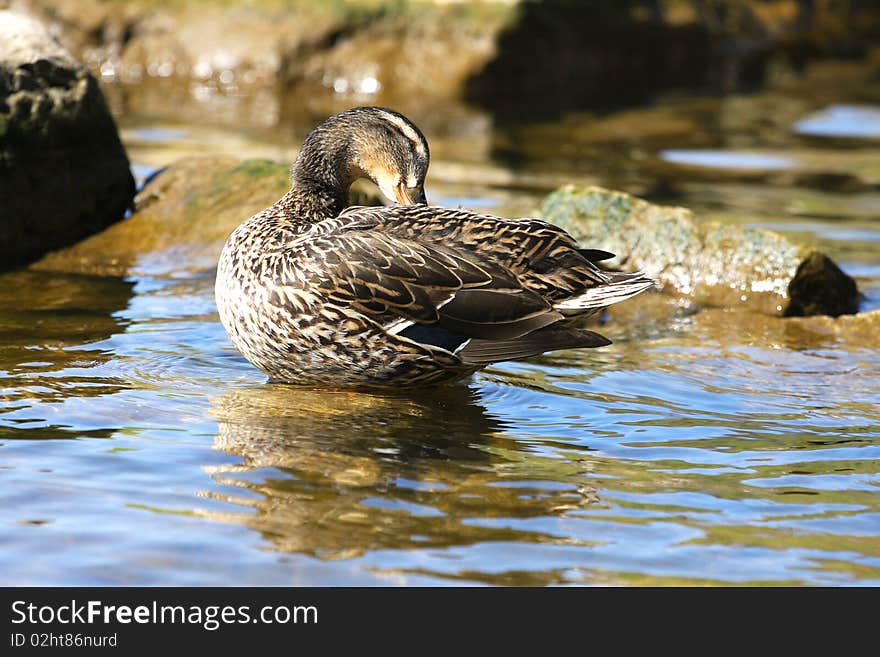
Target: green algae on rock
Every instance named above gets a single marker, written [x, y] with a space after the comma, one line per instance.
[715, 264]
[63, 171]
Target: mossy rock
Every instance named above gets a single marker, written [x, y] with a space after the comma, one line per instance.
[182, 218]
[714, 264]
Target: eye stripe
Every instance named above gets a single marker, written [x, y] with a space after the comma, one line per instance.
[407, 130]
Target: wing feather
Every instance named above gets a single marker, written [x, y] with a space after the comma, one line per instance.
[387, 277]
[542, 257]
[483, 287]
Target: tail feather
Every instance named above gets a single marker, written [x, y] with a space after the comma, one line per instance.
[549, 338]
[595, 255]
[620, 286]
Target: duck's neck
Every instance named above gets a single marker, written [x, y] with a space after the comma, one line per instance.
[319, 181]
[308, 205]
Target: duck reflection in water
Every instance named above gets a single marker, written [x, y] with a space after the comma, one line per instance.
[342, 473]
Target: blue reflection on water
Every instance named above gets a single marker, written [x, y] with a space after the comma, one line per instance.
[724, 159]
[842, 121]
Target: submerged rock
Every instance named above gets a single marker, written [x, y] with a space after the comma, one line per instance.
[713, 263]
[63, 171]
[840, 171]
[856, 331]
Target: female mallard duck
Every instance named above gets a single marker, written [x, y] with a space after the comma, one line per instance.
[316, 294]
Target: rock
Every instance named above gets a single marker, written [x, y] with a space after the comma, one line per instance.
[321, 58]
[856, 331]
[182, 217]
[193, 42]
[185, 213]
[727, 327]
[63, 171]
[130, 41]
[819, 287]
[410, 61]
[712, 263]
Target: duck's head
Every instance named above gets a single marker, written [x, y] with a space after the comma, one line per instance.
[365, 142]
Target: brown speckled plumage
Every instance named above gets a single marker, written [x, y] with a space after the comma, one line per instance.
[316, 294]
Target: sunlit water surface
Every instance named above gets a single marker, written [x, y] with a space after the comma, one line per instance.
[710, 447]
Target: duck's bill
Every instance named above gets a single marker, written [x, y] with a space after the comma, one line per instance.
[410, 195]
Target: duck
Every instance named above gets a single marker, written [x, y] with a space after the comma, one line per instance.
[318, 293]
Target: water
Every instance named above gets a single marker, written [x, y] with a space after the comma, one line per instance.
[705, 446]
[727, 159]
[842, 121]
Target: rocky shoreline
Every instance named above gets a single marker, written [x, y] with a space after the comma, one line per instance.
[509, 57]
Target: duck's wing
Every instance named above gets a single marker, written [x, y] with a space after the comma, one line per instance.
[436, 292]
[543, 257]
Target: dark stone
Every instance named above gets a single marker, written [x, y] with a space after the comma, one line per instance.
[63, 171]
[819, 287]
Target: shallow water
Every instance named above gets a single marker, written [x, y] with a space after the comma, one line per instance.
[703, 446]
